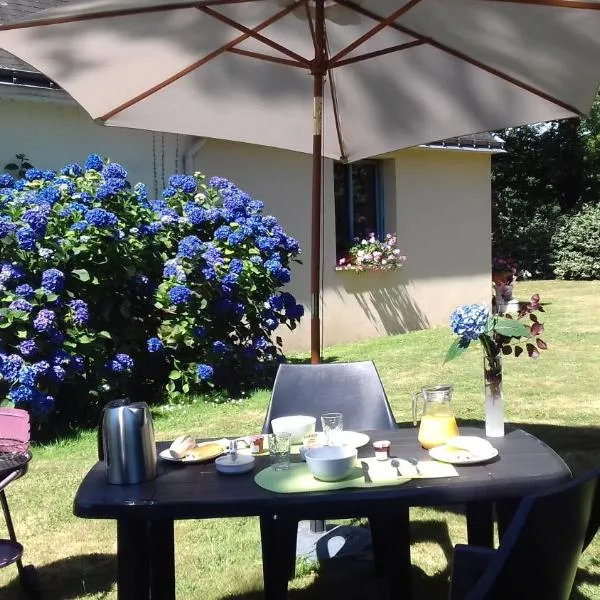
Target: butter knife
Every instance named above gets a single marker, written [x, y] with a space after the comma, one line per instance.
[365, 470]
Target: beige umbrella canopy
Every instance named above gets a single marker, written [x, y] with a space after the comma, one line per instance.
[346, 79]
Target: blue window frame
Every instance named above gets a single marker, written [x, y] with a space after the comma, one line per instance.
[359, 209]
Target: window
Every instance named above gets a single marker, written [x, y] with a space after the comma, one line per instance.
[358, 202]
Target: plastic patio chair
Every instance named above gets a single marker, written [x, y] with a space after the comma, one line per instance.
[14, 444]
[540, 550]
[355, 390]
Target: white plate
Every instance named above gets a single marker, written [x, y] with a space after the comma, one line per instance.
[347, 438]
[462, 457]
[166, 455]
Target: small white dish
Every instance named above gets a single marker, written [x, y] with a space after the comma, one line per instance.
[461, 456]
[242, 464]
[348, 438]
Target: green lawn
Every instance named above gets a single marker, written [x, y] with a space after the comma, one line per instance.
[555, 397]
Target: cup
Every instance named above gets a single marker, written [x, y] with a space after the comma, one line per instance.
[279, 450]
[382, 449]
[333, 425]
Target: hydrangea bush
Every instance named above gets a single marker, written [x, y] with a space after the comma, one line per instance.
[104, 291]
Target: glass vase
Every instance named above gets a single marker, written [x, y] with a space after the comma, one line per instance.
[494, 404]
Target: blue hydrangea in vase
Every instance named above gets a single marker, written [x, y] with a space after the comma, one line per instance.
[500, 335]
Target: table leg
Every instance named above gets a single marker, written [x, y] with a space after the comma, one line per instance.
[162, 560]
[390, 534]
[133, 560]
[505, 511]
[480, 524]
[275, 559]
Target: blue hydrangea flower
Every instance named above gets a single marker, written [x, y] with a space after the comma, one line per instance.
[222, 233]
[34, 174]
[26, 238]
[28, 348]
[44, 321]
[212, 255]
[199, 331]
[276, 302]
[205, 372]
[58, 373]
[10, 271]
[295, 312]
[72, 169]
[24, 291]
[93, 163]
[267, 244]
[57, 337]
[469, 321]
[110, 187]
[80, 312]
[11, 365]
[79, 226]
[42, 367]
[179, 294]
[186, 183]
[22, 394]
[48, 195]
[53, 280]
[60, 357]
[6, 180]
[173, 269]
[219, 347]
[78, 363]
[236, 266]
[6, 226]
[195, 214]
[21, 304]
[230, 279]
[101, 218]
[121, 363]
[27, 375]
[190, 247]
[114, 170]
[154, 345]
[169, 192]
[219, 183]
[43, 404]
[209, 273]
[236, 238]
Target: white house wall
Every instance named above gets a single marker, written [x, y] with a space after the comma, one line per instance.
[52, 134]
[438, 202]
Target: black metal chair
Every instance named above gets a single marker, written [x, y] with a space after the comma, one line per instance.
[355, 390]
[539, 552]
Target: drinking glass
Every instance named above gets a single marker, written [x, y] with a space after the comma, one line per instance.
[333, 425]
[279, 450]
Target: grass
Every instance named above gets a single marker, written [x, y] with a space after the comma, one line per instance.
[556, 398]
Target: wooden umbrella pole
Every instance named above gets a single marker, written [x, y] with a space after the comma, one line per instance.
[319, 69]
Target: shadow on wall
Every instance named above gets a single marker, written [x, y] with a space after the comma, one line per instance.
[384, 299]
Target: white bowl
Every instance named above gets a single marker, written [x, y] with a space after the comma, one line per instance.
[297, 426]
[331, 463]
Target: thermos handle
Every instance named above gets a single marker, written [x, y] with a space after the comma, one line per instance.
[414, 406]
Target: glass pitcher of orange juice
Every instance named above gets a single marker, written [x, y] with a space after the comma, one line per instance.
[437, 423]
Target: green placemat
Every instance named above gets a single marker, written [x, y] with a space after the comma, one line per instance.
[299, 479]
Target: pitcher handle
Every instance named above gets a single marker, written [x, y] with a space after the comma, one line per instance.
[414, 406]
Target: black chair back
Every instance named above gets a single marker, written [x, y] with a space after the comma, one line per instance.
[353, 389]
[539, 553]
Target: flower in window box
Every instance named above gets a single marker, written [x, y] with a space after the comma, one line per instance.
[372, 254]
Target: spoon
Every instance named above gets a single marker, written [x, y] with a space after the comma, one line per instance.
[396, 463]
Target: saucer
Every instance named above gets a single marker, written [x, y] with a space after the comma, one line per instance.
[242, 464]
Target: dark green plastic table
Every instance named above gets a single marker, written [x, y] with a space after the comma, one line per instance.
[145, 513]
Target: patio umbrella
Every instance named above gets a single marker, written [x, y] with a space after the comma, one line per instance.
[376, 76]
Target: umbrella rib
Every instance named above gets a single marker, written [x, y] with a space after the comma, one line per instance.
[367, 55]
[311, 25]
[198, 63]
[267, 57]
[257, 36]
[464, 57]
[336, 111]
[382, 24]
[553, 3]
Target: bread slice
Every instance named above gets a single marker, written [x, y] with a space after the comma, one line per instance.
[203, 452]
